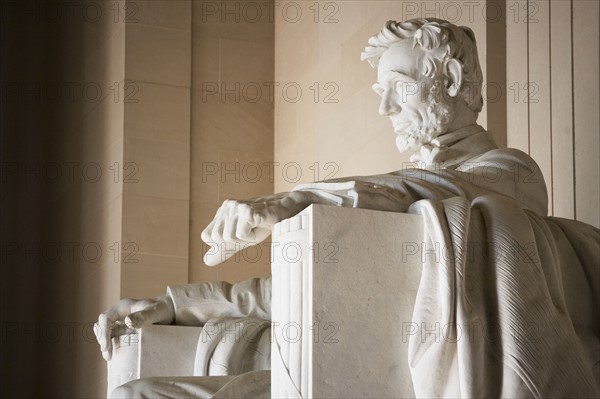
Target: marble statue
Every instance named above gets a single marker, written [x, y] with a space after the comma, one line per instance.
[527, 269]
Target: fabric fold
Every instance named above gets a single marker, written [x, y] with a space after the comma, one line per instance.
[511, 334]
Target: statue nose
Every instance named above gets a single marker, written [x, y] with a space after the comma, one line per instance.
[389, 104]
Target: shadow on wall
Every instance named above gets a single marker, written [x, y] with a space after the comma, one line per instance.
[58, 195]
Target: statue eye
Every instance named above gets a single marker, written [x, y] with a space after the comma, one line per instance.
[400, 87]
[403, 86]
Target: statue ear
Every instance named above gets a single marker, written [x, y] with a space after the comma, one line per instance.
[454, 73]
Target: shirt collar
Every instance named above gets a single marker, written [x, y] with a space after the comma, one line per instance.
[454, 147]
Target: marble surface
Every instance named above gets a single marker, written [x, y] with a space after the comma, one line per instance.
[342, 307]
[151, 352]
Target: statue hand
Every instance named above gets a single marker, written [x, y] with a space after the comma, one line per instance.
[129, 314]
[241, 223]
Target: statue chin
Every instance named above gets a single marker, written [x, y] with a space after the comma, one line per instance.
[420, 134]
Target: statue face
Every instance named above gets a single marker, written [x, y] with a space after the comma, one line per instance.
[413, 102]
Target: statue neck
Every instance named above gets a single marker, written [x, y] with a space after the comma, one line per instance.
[462, 116]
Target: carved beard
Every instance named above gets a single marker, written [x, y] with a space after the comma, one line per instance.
[427, 123]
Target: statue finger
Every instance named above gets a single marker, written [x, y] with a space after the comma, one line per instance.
[141, 318]
[245, 231]
[158, 313]
[207, 232]
[103, 331]
[216, 234]
[107, 321]
[222, 252]
[229, 229]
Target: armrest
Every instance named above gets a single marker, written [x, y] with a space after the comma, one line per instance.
[152, 352]
[344, 288]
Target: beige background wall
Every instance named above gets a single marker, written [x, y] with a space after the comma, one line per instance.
[180, 146]
[231, 124]
[156, 161]
[552, 79]
[343, 134]
[187, 134]
[100, 138]
[199, 133]
[62, 134]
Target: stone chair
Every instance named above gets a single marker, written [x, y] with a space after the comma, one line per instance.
[344, 286]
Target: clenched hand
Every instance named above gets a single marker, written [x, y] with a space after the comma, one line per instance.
[238, 224]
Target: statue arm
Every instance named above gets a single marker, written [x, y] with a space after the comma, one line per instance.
[365, 193]
[190, 304]
[195, 304]
[506, 172]
[391, 192]
[239, 223]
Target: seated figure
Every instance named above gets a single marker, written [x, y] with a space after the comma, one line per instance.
[544, 271]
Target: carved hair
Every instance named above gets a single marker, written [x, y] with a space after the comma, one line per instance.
[442, 41]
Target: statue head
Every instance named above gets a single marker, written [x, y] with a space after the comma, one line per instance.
[428, 77]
